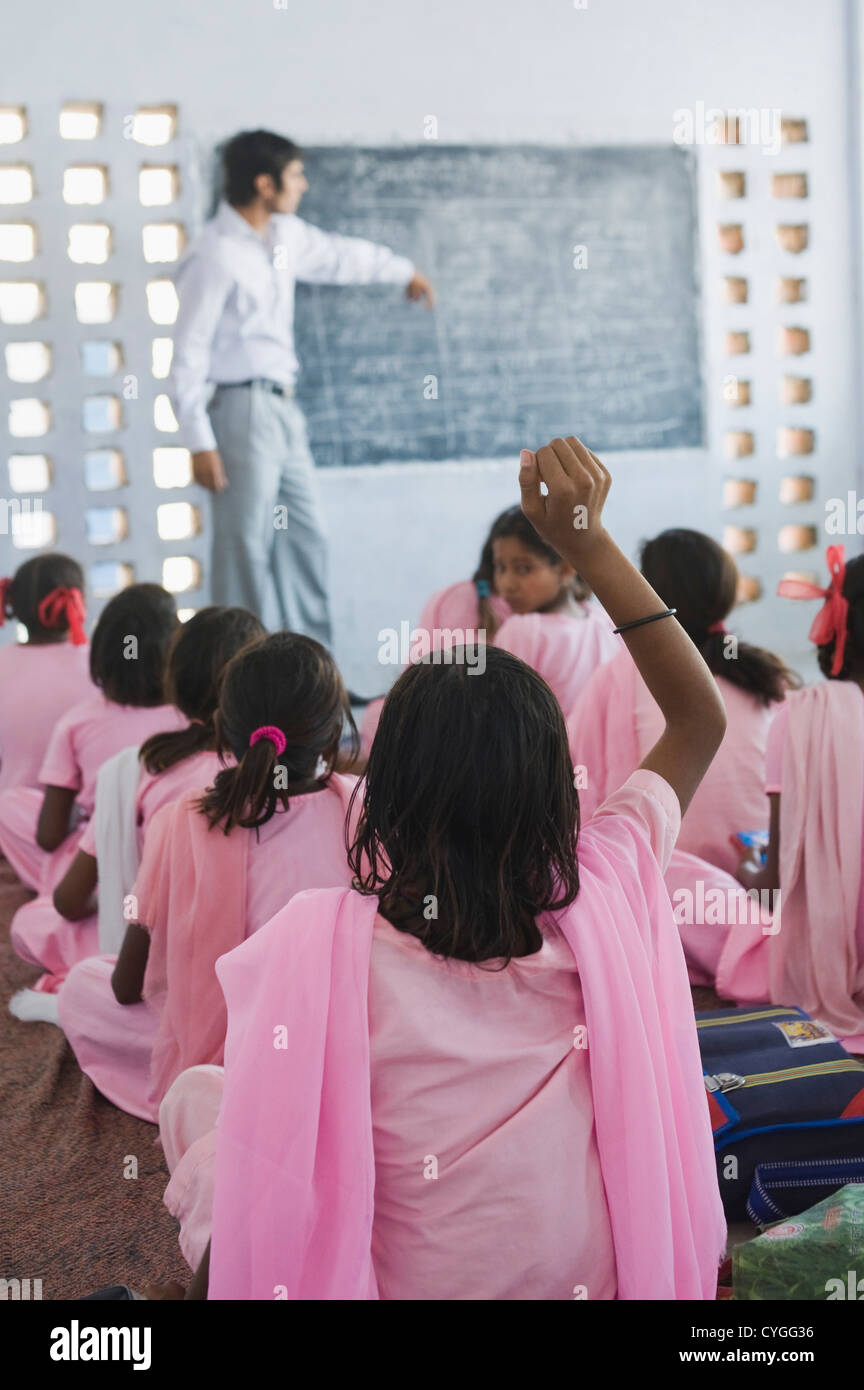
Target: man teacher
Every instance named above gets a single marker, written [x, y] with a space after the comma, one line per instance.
[235, 330]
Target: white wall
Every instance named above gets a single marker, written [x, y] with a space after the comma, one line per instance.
[531, 71]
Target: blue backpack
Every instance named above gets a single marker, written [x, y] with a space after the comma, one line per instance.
[787, 1109]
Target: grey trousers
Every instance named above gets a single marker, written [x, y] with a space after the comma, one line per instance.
[269, 538]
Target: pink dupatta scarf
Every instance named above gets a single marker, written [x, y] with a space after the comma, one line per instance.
[602, 731]
[814, 960]
[295, 1166]
[565, 651]
[193, 900]
[457, 607]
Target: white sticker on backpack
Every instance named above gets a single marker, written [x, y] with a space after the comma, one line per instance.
[805, 1032]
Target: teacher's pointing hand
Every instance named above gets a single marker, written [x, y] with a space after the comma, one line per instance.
[419, 287]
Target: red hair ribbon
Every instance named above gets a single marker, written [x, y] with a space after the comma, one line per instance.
[829, 625]
[5, 586]
[65, 603]
[716, 627]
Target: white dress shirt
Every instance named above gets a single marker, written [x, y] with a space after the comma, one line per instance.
[236, 316]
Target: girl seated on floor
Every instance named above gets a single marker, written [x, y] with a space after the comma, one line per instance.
[475, 1073]
[130, 788]
[813, 864]
[217, 864]
[41, 677]
[40, 829]
[615, 720]
[526, 599]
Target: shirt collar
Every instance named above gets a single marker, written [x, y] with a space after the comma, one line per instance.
[231, 223]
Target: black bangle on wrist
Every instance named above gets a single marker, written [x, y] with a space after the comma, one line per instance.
[652, 618]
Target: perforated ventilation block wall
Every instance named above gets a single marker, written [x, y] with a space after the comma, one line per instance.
[763, 353]
[96, 204]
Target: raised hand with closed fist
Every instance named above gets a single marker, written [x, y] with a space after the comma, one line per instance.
[577, 483]
[570, 517]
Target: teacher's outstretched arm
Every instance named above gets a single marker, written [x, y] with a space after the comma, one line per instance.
[327, 258]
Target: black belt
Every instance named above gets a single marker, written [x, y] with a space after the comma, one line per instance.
[263, 382]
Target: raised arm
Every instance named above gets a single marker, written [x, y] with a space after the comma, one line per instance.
[328, 258]
[570, 519]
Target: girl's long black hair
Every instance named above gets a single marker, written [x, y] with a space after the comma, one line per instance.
[470, 815]
[199, 653]
[694, 574]
[291, 683]
[130, 645]
[853, 657]
[34, 581]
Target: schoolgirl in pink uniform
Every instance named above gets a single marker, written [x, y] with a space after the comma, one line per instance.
[615, 720]
[815, 785]
[487, 1081]
[41, 677]
[551, 625]
[40, 831]
[56, 931]
[526, 599]
[456, 608]
[216, 866]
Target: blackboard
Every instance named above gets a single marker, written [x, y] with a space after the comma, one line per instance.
[523, 345]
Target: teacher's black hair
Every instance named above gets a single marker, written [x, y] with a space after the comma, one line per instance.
[249, 154]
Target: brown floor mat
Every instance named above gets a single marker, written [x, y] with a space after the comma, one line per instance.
[705, 998]
[68, 1215]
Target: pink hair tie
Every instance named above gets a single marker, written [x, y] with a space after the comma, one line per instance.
[716, 627]
[829, 625]
[275, 736]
